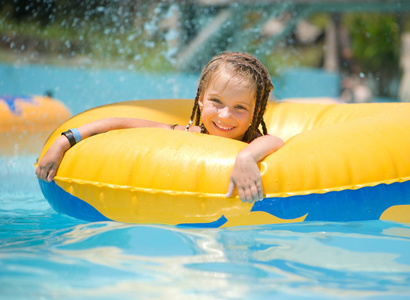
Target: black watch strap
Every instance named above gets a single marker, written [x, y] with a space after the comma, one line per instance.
[70, 136]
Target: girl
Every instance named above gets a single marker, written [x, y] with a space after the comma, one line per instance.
[231, 98]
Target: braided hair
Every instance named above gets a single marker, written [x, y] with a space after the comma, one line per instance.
[247, 67]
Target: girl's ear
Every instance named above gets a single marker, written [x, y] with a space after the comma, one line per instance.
[201, 102]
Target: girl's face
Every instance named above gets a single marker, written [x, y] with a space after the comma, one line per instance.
[227, 106]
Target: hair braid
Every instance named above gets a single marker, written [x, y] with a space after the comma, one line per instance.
[251, 132]
[264, 102]
[194, 109]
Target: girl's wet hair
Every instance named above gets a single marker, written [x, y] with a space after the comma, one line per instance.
[251, 71]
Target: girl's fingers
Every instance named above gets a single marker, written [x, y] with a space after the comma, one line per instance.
[248, 194]
[46, 173]
[39, 173]
[231, 188]
[51, 174]
[242, 195]
[260, 190]
[254, 193]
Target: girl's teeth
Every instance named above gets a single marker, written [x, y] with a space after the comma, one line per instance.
[223, 127]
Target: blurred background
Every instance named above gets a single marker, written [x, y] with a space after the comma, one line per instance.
[88, 53]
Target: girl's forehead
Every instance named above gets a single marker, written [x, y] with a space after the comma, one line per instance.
[224, 79]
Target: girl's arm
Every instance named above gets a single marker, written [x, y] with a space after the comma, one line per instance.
[245, 174]
[48, 165]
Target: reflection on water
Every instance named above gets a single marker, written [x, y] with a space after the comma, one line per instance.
[46, 255]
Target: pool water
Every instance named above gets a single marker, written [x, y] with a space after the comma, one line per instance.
[45, 255]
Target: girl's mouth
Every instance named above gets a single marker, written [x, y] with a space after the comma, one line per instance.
[223, 127]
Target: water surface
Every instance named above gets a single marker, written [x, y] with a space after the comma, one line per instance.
[45, 255]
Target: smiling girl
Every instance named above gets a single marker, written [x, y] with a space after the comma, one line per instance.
[231, 98]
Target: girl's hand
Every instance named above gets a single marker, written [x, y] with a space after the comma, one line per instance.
[245, 174]
[49, 163]
[246, 177]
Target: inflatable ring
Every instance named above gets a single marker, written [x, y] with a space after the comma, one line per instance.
[27, 121]
[340, 162]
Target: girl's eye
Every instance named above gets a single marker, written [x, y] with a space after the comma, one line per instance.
[240, 107]
[216, 101]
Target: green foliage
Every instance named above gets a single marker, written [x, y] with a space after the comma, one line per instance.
[375, 40]
[95, 34]
[293, 57]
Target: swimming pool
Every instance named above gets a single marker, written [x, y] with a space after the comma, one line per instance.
[44, 255]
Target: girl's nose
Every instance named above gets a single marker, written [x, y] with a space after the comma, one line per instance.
[224, 113]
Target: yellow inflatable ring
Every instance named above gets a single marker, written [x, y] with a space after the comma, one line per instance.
[27, 121]
[340, 162]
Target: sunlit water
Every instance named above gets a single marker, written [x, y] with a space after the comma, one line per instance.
[44, 255]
